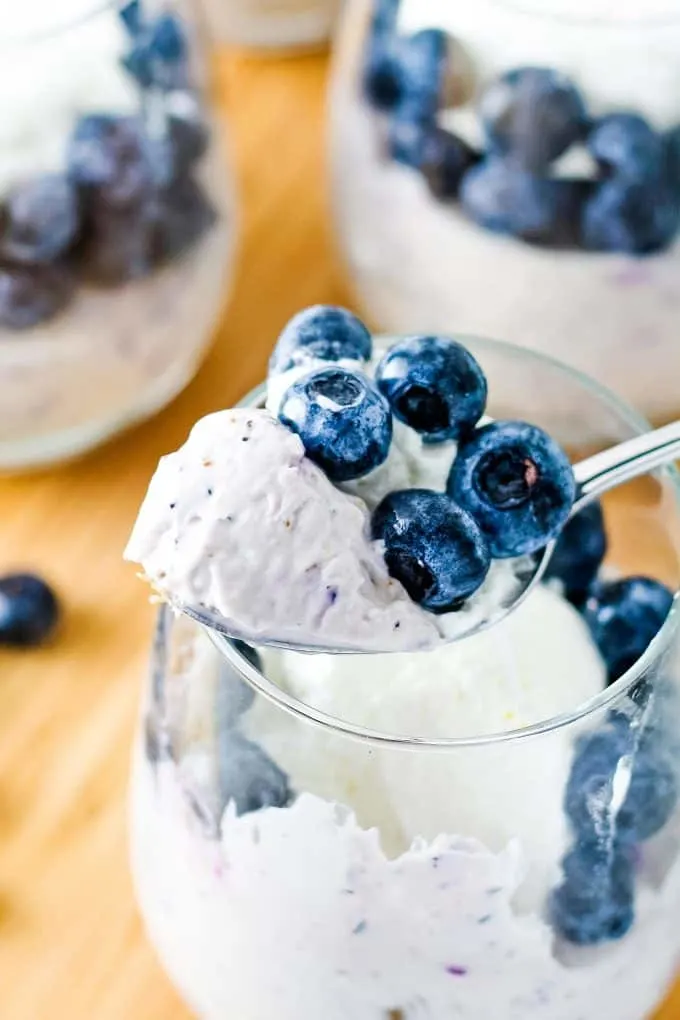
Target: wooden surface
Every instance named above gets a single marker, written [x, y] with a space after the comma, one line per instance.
[71, 943]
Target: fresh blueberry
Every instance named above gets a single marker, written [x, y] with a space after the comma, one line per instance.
[613, 762]
[434, 385]
[409, 70]
[32, 294]
[501, 196]
[29, 610]
[579, 553]
[189, 138]
[445, 159]
[183, 215]
[158, 56]
[41, 219]
[248, 776]
[432, 546]
[343, 421]
[112, 156]
[517, 483]
[595, 902]
[623, 617]
[533, 114]
[118, 245]
[322, 332]
[168, 39]
[627, 147]
[635, 217]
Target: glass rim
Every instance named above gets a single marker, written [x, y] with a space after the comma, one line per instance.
[91, 10]
[636, 23]
[261, 683]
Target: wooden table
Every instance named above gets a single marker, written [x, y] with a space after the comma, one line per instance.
[71, 943]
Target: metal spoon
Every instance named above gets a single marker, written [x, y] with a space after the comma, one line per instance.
[594, 476]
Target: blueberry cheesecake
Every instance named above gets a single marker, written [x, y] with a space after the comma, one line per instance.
[513, 168]
[114, 229]
[481, 828]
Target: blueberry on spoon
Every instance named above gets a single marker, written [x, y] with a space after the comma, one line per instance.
[434, 385]
[517, 483]
[343, 421]
[432, 546]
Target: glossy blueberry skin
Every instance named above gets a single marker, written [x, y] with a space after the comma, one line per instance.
[40, 220]
[111, 156]
[626, 146]
[434, 385]
[343, 421]
[643, 761]
[595, 902]
[432, 546]
[623, 617]
[636, 217]
[579, 552]
[517, 483]
[249, 777]
[534, 114]
[324, 333]
[501, 196]
[445, 159]
[33, 294]
[29, 610]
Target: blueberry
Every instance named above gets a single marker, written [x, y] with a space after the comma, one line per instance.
[432, 546]
[168, 40]
[131, 15]
[321, 332]
[501, 196]
[623, 617]
[445, 159]
[29, 610]
[615, 762]
[189, 138]
[579, 553]
[406, 136]
[408, 70]
[158, 57]
[595, 902]
[41, 220]
[112, 155]
[384, 17]
[183, 215]
[627, 147]
[517, 483]
[534, 114]
[344, 423]
[248, 776]
[33, 294]
[635, 217]
[118, 245]
[434, 385]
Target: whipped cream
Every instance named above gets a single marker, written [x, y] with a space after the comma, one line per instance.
[240, 523]
[58, 61]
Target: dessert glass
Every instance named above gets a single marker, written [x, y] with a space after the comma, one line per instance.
[400, 876]
[420, 262]
[272, 24]
[105, 330]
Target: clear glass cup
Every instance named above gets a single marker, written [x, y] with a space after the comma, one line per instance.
[294, 864]
[117, 228]
[273, 24]
[574, 259]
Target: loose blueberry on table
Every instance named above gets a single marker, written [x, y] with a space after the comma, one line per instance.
[29, 610]
[529, 118]
[127, 201]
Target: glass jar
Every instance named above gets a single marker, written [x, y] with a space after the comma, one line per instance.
[273, 24]
[117, 226]
[305, 852]
[483, 180]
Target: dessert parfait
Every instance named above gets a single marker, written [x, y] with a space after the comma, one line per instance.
[273, 24]
[115, 220]
[512, 167]
[434, 825]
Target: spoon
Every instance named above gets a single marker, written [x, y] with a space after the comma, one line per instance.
[594, 476]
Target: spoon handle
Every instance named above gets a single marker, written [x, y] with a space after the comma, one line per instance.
[622, 463]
